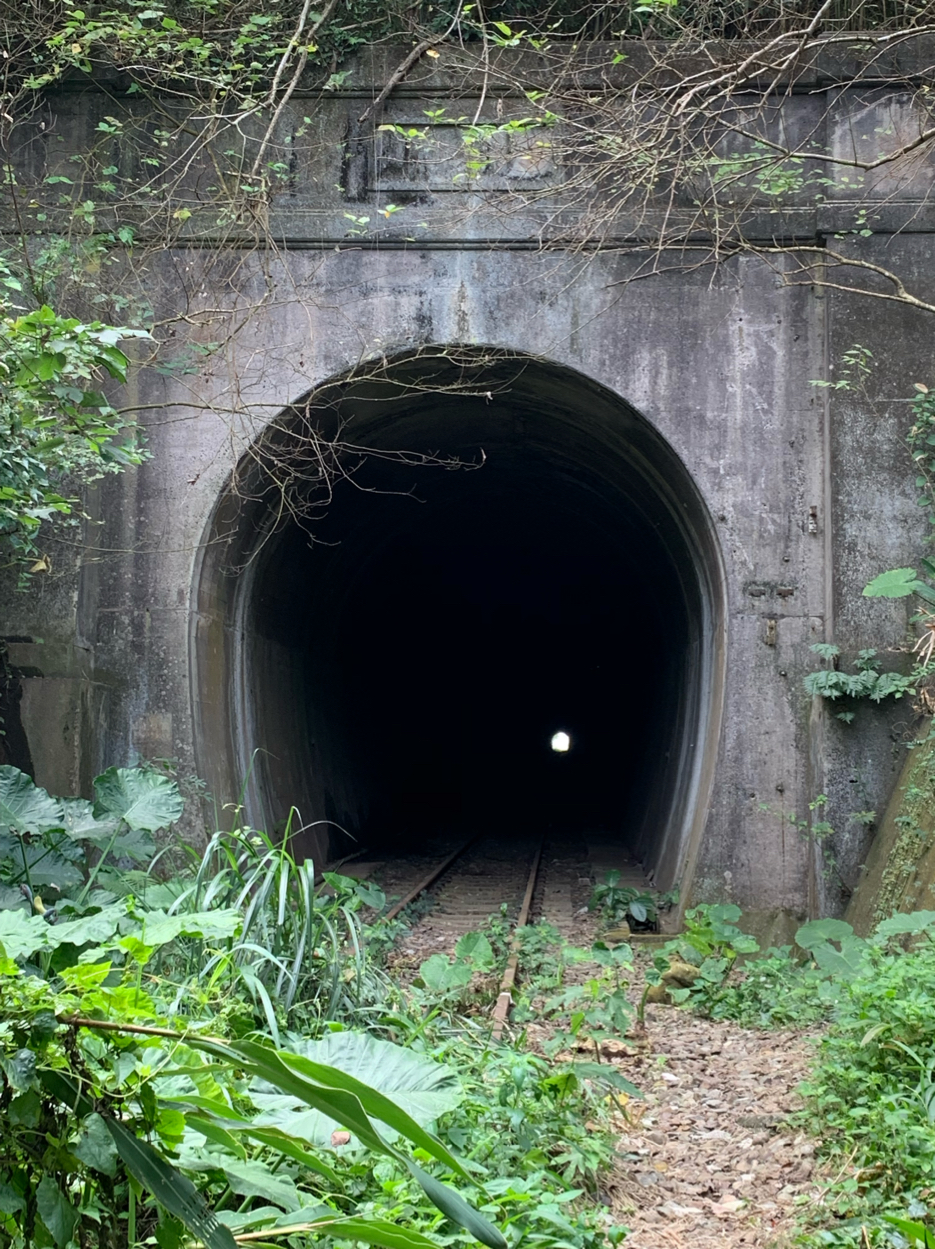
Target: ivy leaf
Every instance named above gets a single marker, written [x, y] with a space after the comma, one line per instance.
[143, 800]
[56, 1211]
[24, 807]
[95, 1147]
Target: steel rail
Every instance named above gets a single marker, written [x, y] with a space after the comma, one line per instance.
[505, 1000]
[430, 879]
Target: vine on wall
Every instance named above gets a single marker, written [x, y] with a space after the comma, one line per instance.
[654, 141]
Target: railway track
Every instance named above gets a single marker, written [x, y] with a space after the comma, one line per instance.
[520, 881]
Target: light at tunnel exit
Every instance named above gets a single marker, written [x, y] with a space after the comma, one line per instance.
[561, 742]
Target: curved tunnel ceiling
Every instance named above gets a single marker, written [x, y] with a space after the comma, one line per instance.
[405, 672]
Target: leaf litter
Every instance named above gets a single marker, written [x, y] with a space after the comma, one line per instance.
[708, 1156]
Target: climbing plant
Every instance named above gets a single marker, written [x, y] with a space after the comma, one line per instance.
[60, 432]
[212, 106]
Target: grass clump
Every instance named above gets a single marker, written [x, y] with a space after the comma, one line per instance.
[217, 1053]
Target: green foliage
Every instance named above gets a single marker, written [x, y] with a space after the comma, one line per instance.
[921, 442]
[870, 1097]
[903, 582]
[527, 1122]
[914, 1232]
[132, 1046]
[543, 957]
[871, 1094]
[782, 987]
[130, 1110]
[711, 932]
[58, 430]
[897, 583]
[595, 1009]
[866, 682]
[619, 903]
[299, 956]
[423, 1088]
[774, 991]
[855, 368]
[443, 976]
[66, 848]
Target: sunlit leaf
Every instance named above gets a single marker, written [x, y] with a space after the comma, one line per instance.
[423, 1088]
[24, 807]
[143, 800]
[894, 583]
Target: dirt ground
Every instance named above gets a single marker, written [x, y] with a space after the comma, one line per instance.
[709, 1159]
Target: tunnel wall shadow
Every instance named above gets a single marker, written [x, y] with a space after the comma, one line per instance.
[404, 671]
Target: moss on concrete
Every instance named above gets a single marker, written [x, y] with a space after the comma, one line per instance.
[899, 874]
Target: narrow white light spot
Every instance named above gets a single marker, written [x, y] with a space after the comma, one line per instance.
[560, 742]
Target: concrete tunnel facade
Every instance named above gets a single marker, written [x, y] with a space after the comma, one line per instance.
[669, 514]
[402, 673]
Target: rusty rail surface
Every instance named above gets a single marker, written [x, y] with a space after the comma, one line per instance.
[505, 999]
[427, 881]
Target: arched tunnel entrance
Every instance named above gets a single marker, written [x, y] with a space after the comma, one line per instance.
[403, 675]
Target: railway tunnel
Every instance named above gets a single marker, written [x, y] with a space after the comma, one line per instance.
[400, 677]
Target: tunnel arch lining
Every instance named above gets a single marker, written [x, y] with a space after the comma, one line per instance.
[550, 423]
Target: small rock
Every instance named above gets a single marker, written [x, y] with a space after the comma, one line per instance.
[672, 1210]
[727, 1205]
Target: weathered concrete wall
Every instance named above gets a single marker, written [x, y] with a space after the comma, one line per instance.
[809, 492]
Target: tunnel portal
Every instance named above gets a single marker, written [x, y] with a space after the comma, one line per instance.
[402, 676]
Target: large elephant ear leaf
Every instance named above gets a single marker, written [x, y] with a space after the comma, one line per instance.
[24, 807]
[418, 1085]
[81, 824]
[143, 800]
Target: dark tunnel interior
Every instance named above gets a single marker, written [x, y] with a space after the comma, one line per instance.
[505, 619]
[407, 670]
